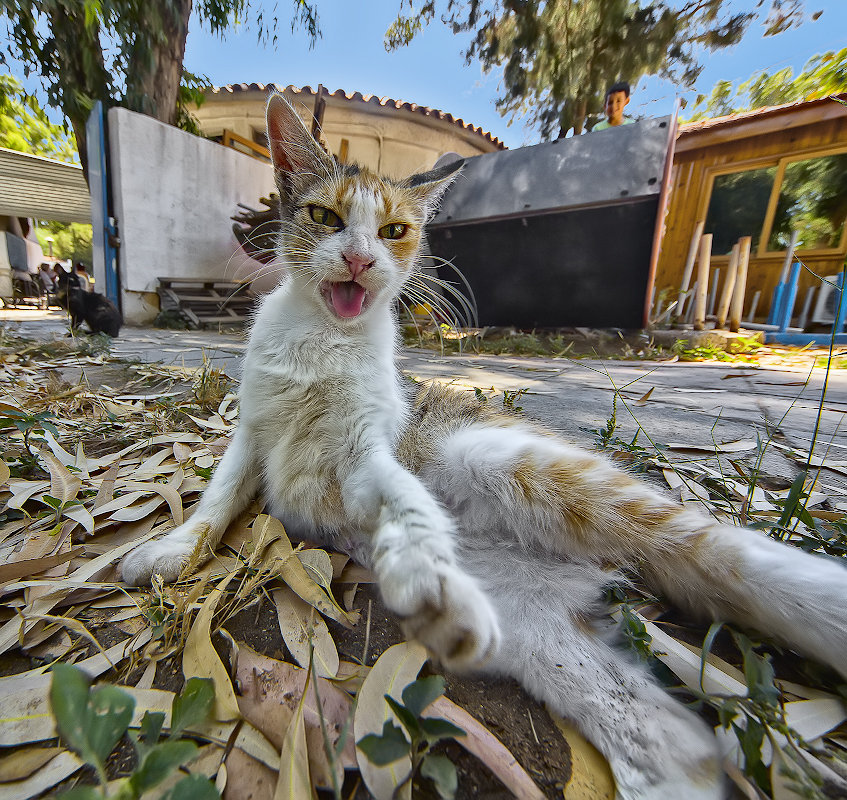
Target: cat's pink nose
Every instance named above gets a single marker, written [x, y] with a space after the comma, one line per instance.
[356, 263]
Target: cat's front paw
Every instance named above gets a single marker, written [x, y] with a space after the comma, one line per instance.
[166, 557]
[445, 610]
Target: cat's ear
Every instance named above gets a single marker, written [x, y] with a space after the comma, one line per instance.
[294, 151]
[430, 186]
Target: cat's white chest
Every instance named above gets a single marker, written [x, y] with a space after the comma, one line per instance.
[309, 430]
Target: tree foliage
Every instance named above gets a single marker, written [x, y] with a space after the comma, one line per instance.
[558, 56]
[24, 126]
[123, 52]
[822, 76]
[72, 241]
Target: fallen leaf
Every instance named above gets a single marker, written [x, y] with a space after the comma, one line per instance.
[54, 771]
[305, 633]
[24, 761]
[200, 659]
[393, 671]
[294, 782]
[280, 557]
[491, 751]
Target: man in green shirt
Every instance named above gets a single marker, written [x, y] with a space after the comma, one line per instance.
[616, 99]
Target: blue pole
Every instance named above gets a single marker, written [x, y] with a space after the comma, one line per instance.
[788, 298]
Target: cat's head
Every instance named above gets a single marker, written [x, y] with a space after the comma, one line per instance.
[349, 237]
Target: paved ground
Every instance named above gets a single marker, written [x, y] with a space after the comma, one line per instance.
[696, 404]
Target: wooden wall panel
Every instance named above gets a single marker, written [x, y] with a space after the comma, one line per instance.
[690, 182]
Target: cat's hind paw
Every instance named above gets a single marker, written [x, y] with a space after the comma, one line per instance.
[445, 610]
[166, 557]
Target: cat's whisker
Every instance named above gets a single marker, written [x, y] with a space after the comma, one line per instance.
[461, 315]
[469, 297]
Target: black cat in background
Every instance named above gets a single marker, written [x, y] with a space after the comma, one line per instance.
[98, 312]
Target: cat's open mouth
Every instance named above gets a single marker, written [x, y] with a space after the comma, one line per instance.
[345, 298]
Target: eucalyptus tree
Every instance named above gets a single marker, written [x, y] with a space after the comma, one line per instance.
[124, 52]
[558, 56]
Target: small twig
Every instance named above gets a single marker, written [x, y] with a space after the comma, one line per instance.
[532, 726]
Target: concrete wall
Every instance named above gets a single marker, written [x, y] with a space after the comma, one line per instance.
[174, 194]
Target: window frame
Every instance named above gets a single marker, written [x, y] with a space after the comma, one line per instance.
[767, 224]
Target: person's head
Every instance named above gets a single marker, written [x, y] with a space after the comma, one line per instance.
[45, 267]
[617, 96]
[80, 267]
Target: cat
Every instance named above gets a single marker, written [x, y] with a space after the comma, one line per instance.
[491, 538]
[98, 312]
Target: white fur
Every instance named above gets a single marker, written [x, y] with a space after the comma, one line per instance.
[478, 572]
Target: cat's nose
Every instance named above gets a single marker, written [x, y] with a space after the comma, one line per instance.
[356, 263]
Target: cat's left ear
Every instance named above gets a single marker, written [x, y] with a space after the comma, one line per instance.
[430, 186]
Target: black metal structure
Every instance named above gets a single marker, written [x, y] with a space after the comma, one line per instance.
[559, 234]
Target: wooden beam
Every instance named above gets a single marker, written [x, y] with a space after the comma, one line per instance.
[728, 287]
[702, 281]
[689, 264]
[737, 306]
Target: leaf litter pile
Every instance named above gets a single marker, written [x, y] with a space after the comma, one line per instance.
[305, 684]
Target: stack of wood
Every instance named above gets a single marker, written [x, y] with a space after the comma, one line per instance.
[731, 303]
[257, 230]
[205, 301]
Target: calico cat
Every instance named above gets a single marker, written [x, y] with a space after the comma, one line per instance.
[492, 539]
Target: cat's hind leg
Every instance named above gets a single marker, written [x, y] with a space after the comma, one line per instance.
[231, 488]
[547, 493]
[656, 748]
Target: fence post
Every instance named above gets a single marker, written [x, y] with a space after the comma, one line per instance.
[737, 306]
[702, 281]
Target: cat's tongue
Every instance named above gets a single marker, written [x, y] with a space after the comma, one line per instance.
[347, 298]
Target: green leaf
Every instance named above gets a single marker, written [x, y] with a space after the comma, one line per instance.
[193, 787]
[194, 706]
[407, 719]
[419, 694]
[714, 629]
[758, 673]
[442, 772]
[69, 688]
[387, 748]
[151, 727]
[160, 761]
[436, 728]
[111, 713]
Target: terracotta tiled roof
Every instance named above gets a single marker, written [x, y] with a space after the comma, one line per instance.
[756, 114]
[387, 102]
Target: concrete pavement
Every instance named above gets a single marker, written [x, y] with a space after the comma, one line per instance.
[694, 404]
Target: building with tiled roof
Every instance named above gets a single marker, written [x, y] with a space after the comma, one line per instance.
[393, 137]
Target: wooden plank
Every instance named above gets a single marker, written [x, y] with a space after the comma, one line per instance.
[728, 287]
[702, 281]
[737, 306]
[689, 262]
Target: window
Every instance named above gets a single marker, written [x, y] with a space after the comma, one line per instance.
[738, 207]
[812, 201]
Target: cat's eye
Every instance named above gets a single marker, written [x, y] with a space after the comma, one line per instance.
[323, 216]
[394, 230]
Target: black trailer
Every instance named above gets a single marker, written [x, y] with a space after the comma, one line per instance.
[563, 233]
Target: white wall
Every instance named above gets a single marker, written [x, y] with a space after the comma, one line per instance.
[174, 194]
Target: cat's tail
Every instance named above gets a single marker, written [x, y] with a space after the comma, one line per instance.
[744, 576]
[537, 489]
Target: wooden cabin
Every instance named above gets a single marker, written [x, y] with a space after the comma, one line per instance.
[762, 174]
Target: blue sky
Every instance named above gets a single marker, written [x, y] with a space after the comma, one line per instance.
[431, 71]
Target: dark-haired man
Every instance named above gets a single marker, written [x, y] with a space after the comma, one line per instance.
[617, 97]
